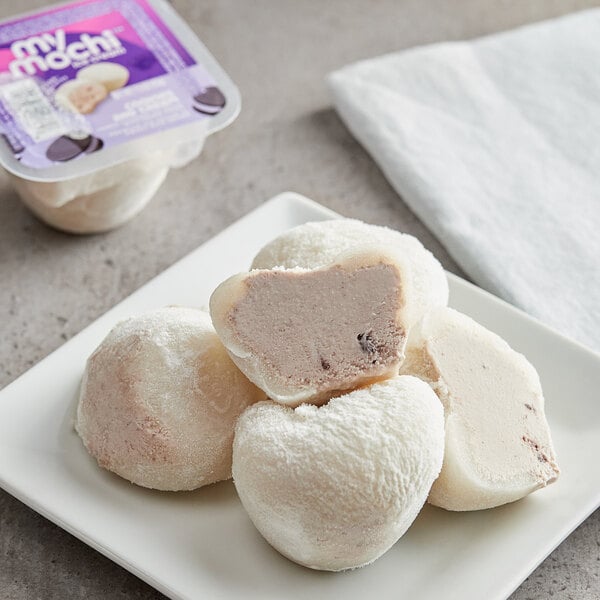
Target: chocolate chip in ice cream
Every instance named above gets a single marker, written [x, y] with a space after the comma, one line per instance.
[209, 101]
[367, 344]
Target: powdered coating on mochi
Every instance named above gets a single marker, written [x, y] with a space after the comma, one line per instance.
[334, 487]
[308, 335]
[159, 401]
[315, 245]
[498, 445]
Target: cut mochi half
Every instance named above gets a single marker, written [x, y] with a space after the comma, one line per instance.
[334, 487]
[317, 244]
[307, 335]
[498, 445]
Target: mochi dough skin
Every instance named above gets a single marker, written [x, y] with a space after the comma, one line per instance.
[159, 401]
[334, 487]
[315, 245]
[307, 335]
[498, 445]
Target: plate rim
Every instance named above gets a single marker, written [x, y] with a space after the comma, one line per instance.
[282, 201]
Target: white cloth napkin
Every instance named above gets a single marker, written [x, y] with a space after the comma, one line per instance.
[495, 145]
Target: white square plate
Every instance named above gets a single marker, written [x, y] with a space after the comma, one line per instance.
[202, 544]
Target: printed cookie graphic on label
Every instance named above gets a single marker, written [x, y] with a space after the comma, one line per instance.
[210, 101]
[67, 148]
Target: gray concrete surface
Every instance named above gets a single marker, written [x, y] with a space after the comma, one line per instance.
[287, 137]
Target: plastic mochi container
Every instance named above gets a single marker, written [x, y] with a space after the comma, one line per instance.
[98, 100]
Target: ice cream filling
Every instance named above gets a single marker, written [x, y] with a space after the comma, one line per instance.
[493, 402]
[505, 433]
[330, 328]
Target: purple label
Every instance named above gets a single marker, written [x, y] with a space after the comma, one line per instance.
[91, 75]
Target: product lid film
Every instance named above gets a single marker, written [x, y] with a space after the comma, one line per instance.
[89, 84]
